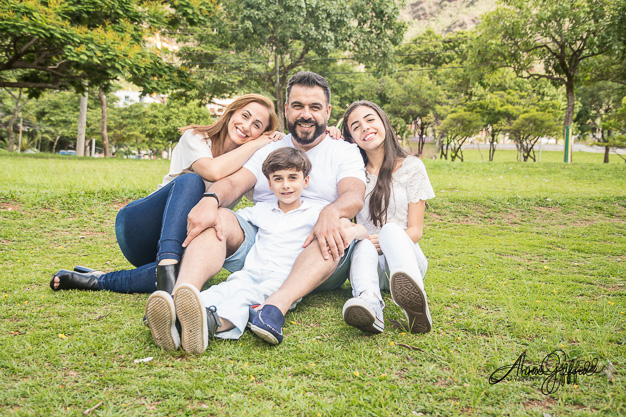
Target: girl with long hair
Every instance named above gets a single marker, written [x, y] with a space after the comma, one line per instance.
[393, 214]
[150, 231]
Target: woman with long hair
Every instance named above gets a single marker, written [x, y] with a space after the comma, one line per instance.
[393, 213]
[150, 231]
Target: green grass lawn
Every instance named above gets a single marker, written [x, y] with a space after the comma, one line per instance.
[523, 258]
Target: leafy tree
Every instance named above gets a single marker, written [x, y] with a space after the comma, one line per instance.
[498, 110]
[283, 35]
[614, 130]
[57, 114]
[433, 80]
[67, 45]
[529, 128]
[127, 126]
[55, 117]
[17, 100]
[542, 39]
[163, 121]
[456, 129]
[413, 100]
[60, 44]
[599, 103]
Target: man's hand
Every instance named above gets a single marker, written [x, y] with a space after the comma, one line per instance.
[329, 233]
[374, 240]
[203, 216]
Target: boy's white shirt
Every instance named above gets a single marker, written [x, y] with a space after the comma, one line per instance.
[280, 235]
[332, 160]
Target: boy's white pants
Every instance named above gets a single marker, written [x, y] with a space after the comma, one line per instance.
[233, 297]
[371, 272]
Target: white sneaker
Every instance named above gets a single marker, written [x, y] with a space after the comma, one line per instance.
[193, 319]
[409, 294]
[161, 319]
[364, 313]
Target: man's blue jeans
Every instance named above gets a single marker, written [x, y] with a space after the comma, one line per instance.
[152, 229]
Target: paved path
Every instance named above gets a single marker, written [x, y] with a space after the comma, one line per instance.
[577, 147]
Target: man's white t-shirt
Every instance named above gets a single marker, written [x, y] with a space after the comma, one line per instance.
[280, 235]
[332, 161]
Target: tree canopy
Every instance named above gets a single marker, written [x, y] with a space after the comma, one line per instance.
[277, 37]
[62, 44]
[542, 39]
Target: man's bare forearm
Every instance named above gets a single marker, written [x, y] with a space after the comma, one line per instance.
[349, 203]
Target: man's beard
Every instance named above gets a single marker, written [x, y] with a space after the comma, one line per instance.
[310, 138]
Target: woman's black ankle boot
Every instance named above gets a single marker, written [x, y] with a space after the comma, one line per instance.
[166, 277]
[70, 280]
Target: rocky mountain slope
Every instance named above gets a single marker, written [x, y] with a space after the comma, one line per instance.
[444, 16]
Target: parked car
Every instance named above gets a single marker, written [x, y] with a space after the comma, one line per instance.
[73, 153]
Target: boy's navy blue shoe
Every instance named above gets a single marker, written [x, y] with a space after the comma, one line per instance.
[268, 324]
[252, 312]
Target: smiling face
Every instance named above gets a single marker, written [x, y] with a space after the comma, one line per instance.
[287, 185]
[307, 114]
[248, 123]
[366, 128]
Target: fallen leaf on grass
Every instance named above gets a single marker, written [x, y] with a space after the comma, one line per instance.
[101, 316]
[148, 359]
[16, 333]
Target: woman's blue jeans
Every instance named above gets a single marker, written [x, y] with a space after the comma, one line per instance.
[152, 229]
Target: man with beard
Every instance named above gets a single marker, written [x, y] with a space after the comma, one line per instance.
[217, 237]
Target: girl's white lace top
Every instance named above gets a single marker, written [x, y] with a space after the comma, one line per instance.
[410, 184]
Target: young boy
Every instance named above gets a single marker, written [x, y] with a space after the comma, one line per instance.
[283, 226]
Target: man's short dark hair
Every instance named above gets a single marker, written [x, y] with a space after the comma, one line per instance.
[309, 79]
[286, 158]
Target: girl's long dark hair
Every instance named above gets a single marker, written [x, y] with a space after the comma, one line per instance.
[379, 199]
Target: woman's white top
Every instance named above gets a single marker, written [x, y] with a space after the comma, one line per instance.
[410, 184]
[189, 149]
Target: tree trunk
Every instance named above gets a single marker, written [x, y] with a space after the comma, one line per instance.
[439, 145]
[606, 148]
[443, 152]
[421, 140]
[278, 85]
[82, 126]
[492, 145]
[457, 152]
[569, 110]
[19, 137]
[103, 123]
[11, 133]
[16, 112]
[54, 145]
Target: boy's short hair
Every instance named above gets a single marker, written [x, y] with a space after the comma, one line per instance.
[286, 158]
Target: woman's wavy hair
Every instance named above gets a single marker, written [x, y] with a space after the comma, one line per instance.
[218, 131]
[379, 198]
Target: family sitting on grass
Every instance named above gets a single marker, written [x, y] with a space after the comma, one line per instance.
[296, 239]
